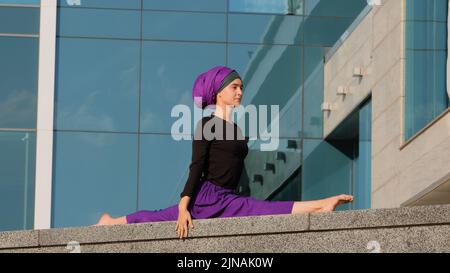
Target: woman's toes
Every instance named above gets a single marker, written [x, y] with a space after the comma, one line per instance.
[345, 197]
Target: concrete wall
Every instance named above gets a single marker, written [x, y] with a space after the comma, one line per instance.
[417, 229]
[401, 172]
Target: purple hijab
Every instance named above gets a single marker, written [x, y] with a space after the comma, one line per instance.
[208, 84]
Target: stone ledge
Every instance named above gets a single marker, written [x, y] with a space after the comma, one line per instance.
[408, 229]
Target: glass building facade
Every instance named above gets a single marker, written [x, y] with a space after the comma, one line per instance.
[19, 42]
[122, 65]
[426, 52]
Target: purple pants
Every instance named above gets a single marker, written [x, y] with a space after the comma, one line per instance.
[212, 201]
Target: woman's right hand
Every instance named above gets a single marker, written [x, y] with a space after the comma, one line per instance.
[184, 220]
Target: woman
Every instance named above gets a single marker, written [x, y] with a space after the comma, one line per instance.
[217, 163]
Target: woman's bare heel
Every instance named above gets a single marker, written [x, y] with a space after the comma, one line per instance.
[107, 220]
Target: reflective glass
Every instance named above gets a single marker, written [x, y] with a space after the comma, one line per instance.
[118, 4]
[267, 6]
[19, 20]
[93, 173]
[20, 2]
[164, 169]
[340, 8]
[327, 171]
[99, 23]
[18, 84]
[267, 29]
[195, 26]
[17, 169]
[430, 10]
[183, 5]
[263, 69]
[279, 180]
[324, 31]
[169, 70]
[426, 94]
[426, 35]
[97, 85]
[313, 116]
[362, 185]
[426, 91]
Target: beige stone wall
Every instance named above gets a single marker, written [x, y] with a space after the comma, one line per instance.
[400, 171]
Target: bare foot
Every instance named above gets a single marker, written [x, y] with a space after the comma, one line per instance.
[107, 220]
[330, 204]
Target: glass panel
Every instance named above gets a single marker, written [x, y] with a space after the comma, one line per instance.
[430, 10]
[21, 2]
[93, 173]
[164, 170]
[17, 168]
[263, 69]
[119, 4]
[426, 35]
[270, 29]
[341, 8]
[183, 5]
[170, 70]
[324, 31]
[290, 190]
[18, 84]
[19, 20]
[327, 171]
[196, 26]
[99, 23]
[267, 6]
[426, 94]
[362, 185]
[278, 180]
[313, 117]
[98, 85]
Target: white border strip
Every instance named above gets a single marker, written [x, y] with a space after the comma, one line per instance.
[44, 140]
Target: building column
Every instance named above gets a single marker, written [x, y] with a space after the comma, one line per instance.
[44, 138]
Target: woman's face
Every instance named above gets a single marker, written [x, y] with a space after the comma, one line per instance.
[231, 94]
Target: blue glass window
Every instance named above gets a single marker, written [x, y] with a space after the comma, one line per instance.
[99, 23]
[362, 190]
[324, 31]
[324, 179]
[93, 173]
[426, 35]
[18, 84]
[267, 29]
[183, 5]
[426, 91]
[263, 69]
[340, 8]
[164, 169]
[195, 26]
[17, 169]
[20, 2]
[267, 6]
[280, 180]
[426, 53]
[169, 70]
[98, 85]
[430, 10]
[19, 20]
[117, 4]
[312, 113]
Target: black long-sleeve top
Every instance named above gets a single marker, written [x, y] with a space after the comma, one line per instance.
[217, 157]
